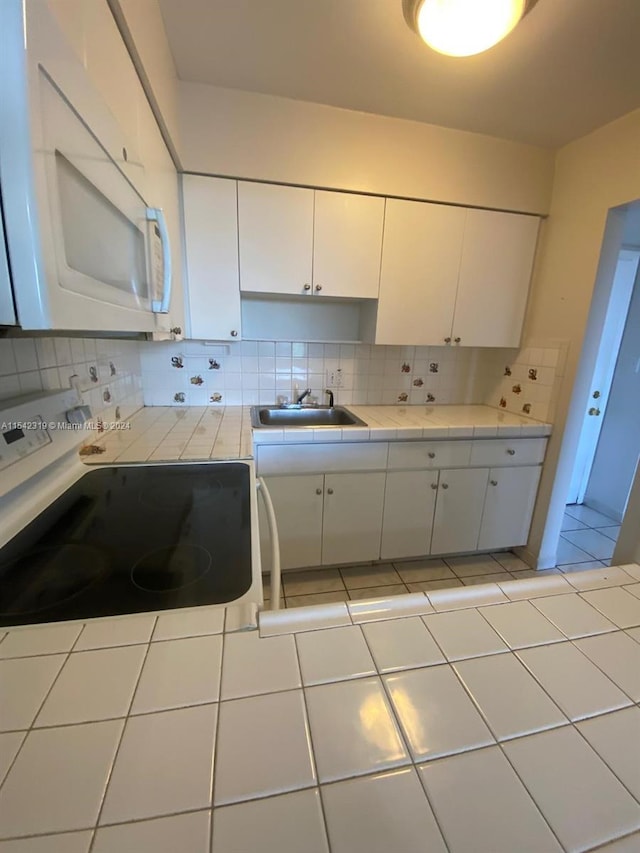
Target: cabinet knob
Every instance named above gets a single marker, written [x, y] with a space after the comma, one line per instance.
[511, 451]
[493, 482]
[318, 491]
[445, 485]
[434, 485]
[457, 340]
[447, 340]
[329, 491]
[318, 287]
[431, 455]
[234, 333]
[307, 287]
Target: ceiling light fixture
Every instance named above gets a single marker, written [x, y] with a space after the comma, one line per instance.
[464, 27]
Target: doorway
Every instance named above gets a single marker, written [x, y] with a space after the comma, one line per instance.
[609, 445]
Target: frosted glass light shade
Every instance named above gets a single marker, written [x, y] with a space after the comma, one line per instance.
[466, 27]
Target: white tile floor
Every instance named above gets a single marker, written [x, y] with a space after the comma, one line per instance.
[346, 731]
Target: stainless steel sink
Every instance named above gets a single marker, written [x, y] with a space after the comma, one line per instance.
[302, 416]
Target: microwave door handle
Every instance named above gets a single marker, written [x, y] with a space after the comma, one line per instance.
[156, 214]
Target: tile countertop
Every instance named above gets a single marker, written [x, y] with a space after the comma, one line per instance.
[168, 434]
[494, 719]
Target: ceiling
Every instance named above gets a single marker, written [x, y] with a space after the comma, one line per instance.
[570, 66]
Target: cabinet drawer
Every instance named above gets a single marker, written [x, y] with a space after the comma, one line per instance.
[315, 457]
[429, 454]
[508, 451]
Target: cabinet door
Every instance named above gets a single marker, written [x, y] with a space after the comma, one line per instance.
[211, 237]
[421, 253]
[352, 521]
[275, 237]
[297, 502]
[458, 515]
[495, 271]
[347, 245]
[508, 506]
[409, 502]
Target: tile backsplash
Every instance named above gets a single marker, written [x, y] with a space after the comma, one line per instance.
[107, 370]
[251, 372]
[525, 381]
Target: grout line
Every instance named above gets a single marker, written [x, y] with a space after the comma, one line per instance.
[311, 743]
[117, 751]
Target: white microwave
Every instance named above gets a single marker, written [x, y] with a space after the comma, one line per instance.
[85, 250]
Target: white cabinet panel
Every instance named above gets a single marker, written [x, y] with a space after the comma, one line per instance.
[211, 232]
[318, 457]
[347, 244]
[275, 237]
[511, 494]
[352, 521]
[421, 254]
[495, 272]
[409, 504]
[458, 513]
[429, 454]
[297, 502]
[509, 451]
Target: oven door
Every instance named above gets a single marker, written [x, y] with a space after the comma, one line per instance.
[86, 251]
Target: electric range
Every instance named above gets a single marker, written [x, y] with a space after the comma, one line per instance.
[120, 539]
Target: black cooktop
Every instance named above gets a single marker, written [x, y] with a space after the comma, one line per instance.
[130, 540]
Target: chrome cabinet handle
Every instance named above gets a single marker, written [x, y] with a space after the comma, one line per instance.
[511, 452]
[307, 287]
[234, 333]
[493, 482]
[318, 491]
[457, 340]
[329, 491]
[447, 340]
[431, 455]
[445, 485]
[318, 287]
[434, 485]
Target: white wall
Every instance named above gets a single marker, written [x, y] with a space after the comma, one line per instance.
[248, 135]
[593, 175]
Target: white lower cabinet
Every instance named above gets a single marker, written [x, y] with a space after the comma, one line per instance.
[508, 506]
[327, 518]
[409, 503]
[458, 515]
[353, 505]
[297, 502]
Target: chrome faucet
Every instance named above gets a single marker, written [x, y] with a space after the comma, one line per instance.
[304, 394]
[329, 394]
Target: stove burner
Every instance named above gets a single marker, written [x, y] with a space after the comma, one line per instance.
[44, 578]
[171, 568]
[171, 492]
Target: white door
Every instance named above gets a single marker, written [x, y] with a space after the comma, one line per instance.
[458, 515]
[409, 502]
[347, 241]
[275, 226]
[297, 502]
[608, 349]
[352, 524]
[495, 271]
[508, 506]
[421, 253]
[211, 240]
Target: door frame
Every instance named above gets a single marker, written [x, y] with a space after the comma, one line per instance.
[614, 239]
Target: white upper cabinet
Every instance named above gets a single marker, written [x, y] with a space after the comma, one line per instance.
[495, 270]
[347, 244]
[211, 231]
[303, 242]
[421, 254]
[454, 275]
[275, 238]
